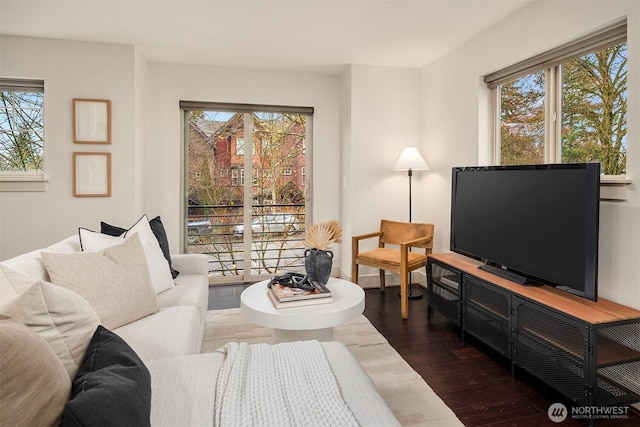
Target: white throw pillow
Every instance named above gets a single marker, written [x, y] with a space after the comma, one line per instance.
[93, 241]
[29, 264]
[62, 318]
[161, 279]
[116, 283]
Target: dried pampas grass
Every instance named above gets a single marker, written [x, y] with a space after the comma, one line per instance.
[322, 235]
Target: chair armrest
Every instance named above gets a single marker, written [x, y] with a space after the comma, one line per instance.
[366, 236]
[355, 242]
[416, 242]
[190, 263]
[404, 246]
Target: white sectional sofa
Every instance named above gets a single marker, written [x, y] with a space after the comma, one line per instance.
[175, 330]
[165, 341]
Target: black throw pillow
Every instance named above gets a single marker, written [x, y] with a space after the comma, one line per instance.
[112, 387]
[158, 230]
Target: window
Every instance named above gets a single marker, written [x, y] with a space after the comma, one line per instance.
[568, 105]
[594, 109]
[21, 129]
[246, 244]
[240, 146]
[522, 111]
[287, 171]
[234, 177]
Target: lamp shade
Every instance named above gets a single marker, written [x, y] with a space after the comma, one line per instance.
[410, 159]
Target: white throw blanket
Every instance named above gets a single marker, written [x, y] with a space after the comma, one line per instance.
[287, 384]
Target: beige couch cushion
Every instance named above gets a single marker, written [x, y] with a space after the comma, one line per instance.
[62, 318]
[172, 331]
[34, 386]
[116, 283]
[160, 273]
[190, 289]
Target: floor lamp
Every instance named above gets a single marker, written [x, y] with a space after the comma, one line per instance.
[410, 160]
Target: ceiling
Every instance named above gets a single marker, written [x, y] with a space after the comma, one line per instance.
[302, 35]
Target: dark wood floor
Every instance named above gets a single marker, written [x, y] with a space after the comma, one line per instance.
[472, 380]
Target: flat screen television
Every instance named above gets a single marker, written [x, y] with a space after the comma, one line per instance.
[533, 224]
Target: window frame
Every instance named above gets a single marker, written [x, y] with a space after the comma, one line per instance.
[552, 139]
[32, 180]
[235, 175]
[551, 64]
[239, 146]
[244, 166]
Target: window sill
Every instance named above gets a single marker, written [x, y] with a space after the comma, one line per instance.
[614, 187]
[23, 184]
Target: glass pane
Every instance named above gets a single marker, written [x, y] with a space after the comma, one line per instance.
[215, 192]
[594, 109]
[522, 120]
[217, 183]
[278, 193]
[21, 131]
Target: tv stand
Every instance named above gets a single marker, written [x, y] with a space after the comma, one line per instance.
[509, 275]
[586, 350]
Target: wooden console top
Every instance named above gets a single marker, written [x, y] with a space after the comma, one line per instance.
[602, 311]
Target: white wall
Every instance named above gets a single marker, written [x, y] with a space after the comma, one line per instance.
[382, 120]
[455, 113]
[344, 262]
[71, 70]
[147, 148]
[140, 104]
[169, 84]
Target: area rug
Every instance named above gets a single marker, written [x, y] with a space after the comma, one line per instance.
[410, 398]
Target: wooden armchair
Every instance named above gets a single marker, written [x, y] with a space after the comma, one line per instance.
[402, 236]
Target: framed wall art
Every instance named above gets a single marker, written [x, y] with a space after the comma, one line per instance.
[91, 174]
[91, 121]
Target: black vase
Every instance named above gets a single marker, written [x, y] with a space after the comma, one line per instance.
[318, 265]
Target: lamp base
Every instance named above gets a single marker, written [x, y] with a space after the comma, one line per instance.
[413, 292]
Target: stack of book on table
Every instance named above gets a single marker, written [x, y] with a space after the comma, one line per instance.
[285, 297]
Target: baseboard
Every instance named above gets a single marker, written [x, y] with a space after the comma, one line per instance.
[369, 281]
[366, 281]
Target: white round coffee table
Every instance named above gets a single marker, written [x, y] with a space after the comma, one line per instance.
[307, 322]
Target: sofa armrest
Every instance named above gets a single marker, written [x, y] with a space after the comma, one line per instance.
[190, 263]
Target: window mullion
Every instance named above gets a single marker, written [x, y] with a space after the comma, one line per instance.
[247, 192]
[551, 116]
[495, 129]
[557, 125]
